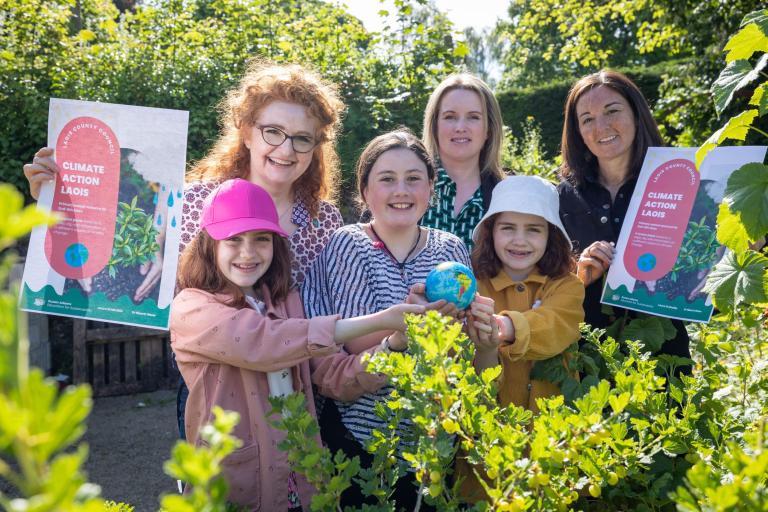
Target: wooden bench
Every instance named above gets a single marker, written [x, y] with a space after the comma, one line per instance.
[117, 359]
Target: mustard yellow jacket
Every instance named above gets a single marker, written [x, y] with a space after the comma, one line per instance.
[546, 314]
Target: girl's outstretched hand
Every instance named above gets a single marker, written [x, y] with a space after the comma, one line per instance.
[42, 169]
[393, 318]
[417, 295]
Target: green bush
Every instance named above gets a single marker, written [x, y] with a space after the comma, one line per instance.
[186, 54]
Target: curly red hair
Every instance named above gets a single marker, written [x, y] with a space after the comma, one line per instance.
[263, 83]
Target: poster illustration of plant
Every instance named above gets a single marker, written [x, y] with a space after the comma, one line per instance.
[114, 252]
[668, 245]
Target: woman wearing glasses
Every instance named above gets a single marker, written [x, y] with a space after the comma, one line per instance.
[280, 125]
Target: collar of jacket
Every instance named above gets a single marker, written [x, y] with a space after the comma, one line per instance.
[271, 309]
[502, 280]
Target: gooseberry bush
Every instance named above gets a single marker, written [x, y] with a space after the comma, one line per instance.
[634, 433]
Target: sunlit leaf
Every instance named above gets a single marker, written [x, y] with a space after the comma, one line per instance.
[745, 42]
[747, 196]
[730, 231]
[735, 75]
[86, 35]
[736, 128]
[760, 99]
[738, 278]
[758, 17]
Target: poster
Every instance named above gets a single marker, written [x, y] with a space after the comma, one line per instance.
[668, 243]
[113, 254]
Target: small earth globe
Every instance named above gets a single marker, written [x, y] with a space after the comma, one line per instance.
[453, 282]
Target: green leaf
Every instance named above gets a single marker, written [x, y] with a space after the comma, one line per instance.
[737, 74]
[649, 330]
[758, 17]
[760, 99]
[745, 42]
[619, 402]
[738, 278]
[461, 50]
[747, 197]
[86, 35]
[730, 231]
[736, 128]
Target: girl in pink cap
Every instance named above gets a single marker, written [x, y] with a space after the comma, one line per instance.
[239, 335]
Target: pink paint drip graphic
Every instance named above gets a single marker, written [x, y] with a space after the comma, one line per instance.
[661, 220]
[88, 156]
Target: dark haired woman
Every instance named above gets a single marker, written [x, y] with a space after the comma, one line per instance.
[608, 129]
[369, 267]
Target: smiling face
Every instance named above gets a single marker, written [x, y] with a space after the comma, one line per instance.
[397, 189]
[462, 128]
[607, 125]
[519, 240]
[244, 258]
[276, 168]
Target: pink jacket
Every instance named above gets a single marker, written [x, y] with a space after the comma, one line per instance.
[223, 354]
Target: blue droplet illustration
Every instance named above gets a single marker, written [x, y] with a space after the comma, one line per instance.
[154, 198]
[159, 220]
[170, 200]
[178, 194]
[162, 188]
[173, 222]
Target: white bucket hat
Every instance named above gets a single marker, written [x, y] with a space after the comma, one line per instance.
[525, 194]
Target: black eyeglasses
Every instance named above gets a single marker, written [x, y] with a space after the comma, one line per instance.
[275, 136]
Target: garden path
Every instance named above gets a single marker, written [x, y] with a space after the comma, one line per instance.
[129, 438]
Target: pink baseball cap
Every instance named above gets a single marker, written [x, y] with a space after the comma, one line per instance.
[237, 206]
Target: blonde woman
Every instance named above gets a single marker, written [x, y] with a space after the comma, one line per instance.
[463, 133]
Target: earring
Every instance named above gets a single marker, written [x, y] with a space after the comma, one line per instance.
[432, 200]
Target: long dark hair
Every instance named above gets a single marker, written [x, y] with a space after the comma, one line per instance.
[557, 261]
[198, 269]
[578, 160]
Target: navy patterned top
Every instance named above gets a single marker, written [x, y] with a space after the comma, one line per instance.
[440, 215]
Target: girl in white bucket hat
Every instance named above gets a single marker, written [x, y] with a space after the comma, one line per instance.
[529, 303]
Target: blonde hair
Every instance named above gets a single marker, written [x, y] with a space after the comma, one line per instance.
[490, 155]
[263, 83]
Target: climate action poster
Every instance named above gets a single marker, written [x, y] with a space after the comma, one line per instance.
[668, 244]
[114, 252]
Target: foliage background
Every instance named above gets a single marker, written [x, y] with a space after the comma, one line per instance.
[185, 54]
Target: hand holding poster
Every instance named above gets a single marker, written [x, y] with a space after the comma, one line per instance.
[668, 243]
[113, 254]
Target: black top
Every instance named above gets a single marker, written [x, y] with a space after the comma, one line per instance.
[589, 215]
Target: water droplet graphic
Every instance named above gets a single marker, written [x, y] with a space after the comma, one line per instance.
[170, 200]
[159, 220]
[173, 222]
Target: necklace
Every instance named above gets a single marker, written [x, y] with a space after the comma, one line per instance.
[285, 212]
[379, 244]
